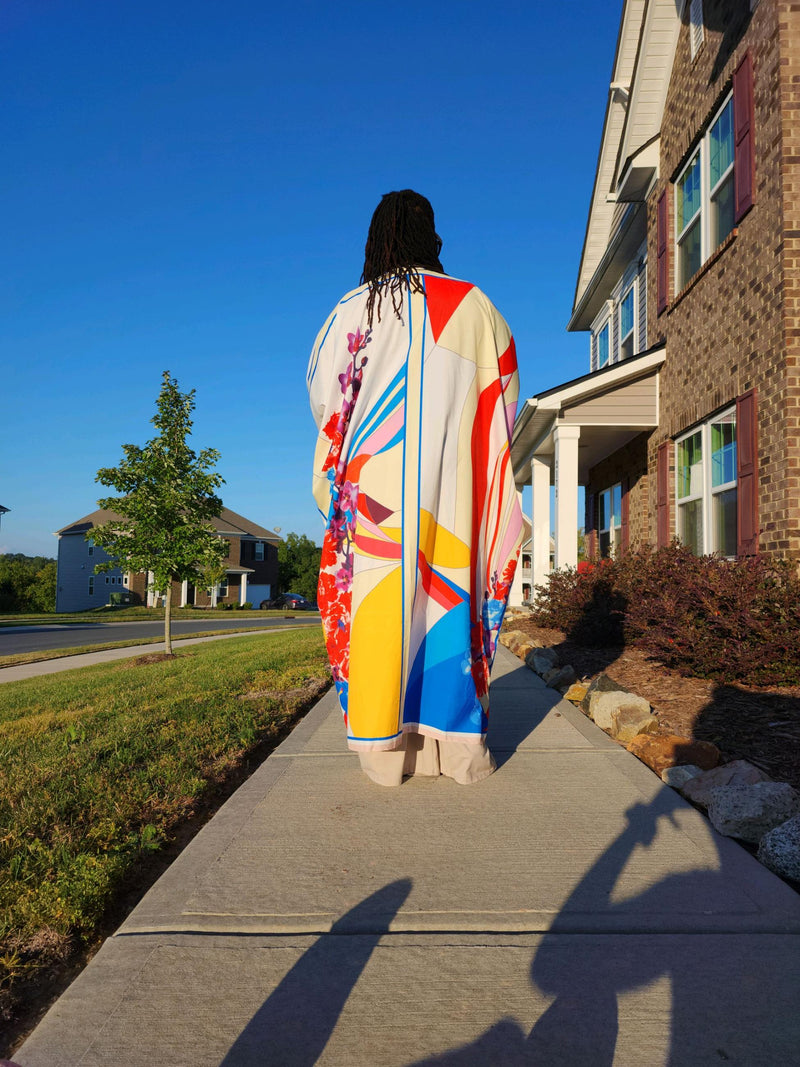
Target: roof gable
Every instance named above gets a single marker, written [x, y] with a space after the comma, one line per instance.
[229, 522]
[640, 78]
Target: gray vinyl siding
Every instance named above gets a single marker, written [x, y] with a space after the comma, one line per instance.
[75, 568]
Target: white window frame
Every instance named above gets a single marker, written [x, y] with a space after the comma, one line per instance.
[706, 491]
[629, 291]
[221, 587]
[611, 315]
[614, 532]
[606, 326]
[708, 197]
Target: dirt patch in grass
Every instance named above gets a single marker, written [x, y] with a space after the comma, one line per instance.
[292, 698]
[147, 658]
[761, 725]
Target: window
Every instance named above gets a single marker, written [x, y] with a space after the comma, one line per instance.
[720, 165]
[704, 197]
[259, 556]
[222, 588]
[90, 549]
[91, 587]
[610, 525]
[626, 325]
[706, 474]
[690, 256]
[603, 346]
[620, 328]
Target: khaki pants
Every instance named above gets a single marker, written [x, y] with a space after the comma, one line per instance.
[428, 757]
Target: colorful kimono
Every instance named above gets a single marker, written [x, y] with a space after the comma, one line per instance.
[412, 474]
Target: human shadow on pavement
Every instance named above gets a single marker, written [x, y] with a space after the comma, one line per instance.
[585, 972]
[296, 1021]
[509, 728]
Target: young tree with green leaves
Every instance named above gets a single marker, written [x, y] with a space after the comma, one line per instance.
[168, 499]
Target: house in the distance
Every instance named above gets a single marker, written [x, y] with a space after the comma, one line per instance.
[251, 567]
[688, 422]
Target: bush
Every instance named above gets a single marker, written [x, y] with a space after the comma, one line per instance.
[247, 605]
[728, 620]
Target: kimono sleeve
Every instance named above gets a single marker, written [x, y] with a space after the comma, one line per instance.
[320, 367]
[502, 514]
[323, 395]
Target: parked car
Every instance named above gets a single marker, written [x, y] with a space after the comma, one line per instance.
[289, 600]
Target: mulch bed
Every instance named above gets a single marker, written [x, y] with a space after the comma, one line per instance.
[759, 725]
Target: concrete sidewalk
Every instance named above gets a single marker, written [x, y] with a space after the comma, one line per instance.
[569, 910]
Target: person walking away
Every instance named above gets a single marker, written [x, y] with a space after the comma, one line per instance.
[413, 385]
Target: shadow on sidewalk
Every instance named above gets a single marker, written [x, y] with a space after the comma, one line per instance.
[507, 732]
[295, 1023]
[716, 994]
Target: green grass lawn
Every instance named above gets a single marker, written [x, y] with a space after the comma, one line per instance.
[77, 650]
[100, 767]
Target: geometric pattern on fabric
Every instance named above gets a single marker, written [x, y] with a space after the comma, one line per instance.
[412, 475]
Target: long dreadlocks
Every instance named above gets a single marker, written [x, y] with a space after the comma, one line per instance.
[402, 237]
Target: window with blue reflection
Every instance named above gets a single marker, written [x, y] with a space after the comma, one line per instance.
[723, 451]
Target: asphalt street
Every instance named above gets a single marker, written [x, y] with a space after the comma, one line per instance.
[77, 635]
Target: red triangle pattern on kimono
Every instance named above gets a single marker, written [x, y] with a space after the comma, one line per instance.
[443, 297]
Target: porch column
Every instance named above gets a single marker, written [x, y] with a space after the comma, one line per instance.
[541, 467]
[515, 594]
[184, 593]
[566, 441]
[243, 589]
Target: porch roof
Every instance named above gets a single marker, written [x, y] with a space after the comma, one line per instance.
[611, 407]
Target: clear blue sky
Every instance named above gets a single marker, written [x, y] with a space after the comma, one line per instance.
[187, 187]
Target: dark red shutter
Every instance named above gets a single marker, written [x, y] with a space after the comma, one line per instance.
[662, 255]
[625, 537]
[747, 474]
[744, 154]
[662, 495]
[591, 526]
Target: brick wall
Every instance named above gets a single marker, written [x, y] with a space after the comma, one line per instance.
[736, 324]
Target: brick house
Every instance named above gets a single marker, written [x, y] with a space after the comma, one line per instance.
[251, 567]
[687, 423]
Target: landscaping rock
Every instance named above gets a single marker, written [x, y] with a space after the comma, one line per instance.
[672, 751]
[542, 660]
[601, 684]
[738, 772]
[631, 720]
[677, 777]
[576, 693]
[561, 678]
[750, 811]
[603, 706]
[780, 849]
[512, 639]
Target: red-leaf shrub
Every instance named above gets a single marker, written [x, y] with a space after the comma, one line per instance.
[729, 620]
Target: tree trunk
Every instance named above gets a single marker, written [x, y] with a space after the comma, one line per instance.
[168, 619]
